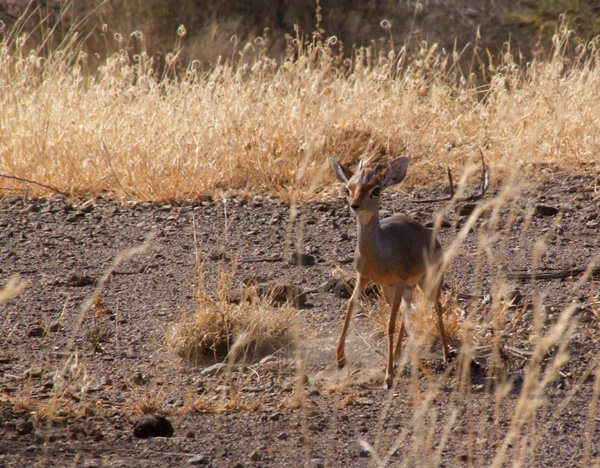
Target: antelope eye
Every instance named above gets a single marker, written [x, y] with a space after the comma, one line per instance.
[347, 191]
[376, 192]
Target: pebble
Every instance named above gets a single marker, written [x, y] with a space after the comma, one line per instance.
[198, 460]
[25, 427]
[214, 369]
[466, 209]
[255, 456]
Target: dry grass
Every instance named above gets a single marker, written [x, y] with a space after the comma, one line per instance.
[220, 328]
[128, 131]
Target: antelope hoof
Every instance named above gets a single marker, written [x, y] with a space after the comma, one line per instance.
[387, 383]
[341, 362]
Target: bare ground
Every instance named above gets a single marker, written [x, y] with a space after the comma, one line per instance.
[117, 365]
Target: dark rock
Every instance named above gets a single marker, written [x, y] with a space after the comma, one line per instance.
[36, 332]
[466, 209]
[154, 425]
[343, 288]
[25, 427]
[301, 259]
[87, 208]
[546, 210]
[33, 207]
[78, 280]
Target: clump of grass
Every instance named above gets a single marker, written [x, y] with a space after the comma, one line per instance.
[146, 404]
[216, 326]
[219, 327]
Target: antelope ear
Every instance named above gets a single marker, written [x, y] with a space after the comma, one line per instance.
[343, 173]
[395, 172]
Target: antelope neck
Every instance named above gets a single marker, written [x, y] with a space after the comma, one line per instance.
[368, 232]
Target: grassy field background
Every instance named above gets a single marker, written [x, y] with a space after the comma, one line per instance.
[251, 123]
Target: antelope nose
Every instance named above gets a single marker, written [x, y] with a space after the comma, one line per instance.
[355, 206]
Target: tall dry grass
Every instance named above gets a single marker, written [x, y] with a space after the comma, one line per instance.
[247, 125]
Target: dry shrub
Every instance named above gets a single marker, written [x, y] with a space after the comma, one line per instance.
[219, 328]
[145, 404]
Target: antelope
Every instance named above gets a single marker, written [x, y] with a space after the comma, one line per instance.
[396, 253]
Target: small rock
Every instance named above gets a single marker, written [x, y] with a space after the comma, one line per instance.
[55, 326]
[78, 280]
[139, 379]
[283, 436]
[87, 207]
[276, 417]
[33, 207]
[25, 427]
[301, 259]
[546, 210]
[152, 426]
[33, 373]
[72, 218]
[593, 224]
[514, 297]
[279, 293]
[36, 331]
[198, 460]
[343, 288]
[266, 360]
[466, 209]
[190, 434]
[255, 456]
[214, 369]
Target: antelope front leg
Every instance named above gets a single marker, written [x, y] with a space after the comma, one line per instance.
[361, 282]
[389, 374]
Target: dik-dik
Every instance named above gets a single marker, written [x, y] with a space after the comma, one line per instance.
[396, 253]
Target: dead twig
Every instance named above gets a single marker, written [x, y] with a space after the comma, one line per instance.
[21, 179]
[485, 183]
[552, 274]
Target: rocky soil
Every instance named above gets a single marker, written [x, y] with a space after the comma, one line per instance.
[77, 373]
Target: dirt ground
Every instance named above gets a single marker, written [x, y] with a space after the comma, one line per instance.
[118, 365]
